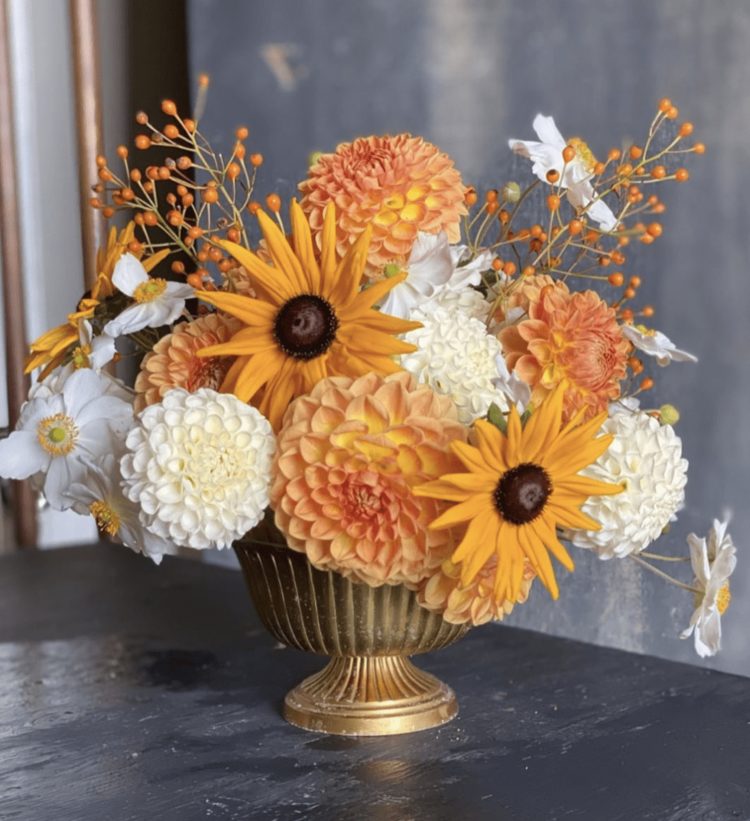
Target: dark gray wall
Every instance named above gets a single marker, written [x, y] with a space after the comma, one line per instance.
[305, 75]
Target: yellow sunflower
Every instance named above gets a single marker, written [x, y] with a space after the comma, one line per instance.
[309, 321]
[518, 488]
[51, 347]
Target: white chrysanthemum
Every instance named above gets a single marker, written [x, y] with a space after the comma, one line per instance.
[468, 301]
[645, 458]
[458, 358]
[200, 467]
[713, 561]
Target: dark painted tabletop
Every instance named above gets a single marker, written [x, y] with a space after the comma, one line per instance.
[129, 691]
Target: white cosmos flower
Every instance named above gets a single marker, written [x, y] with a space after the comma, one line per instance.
[62, 435]
[575, 176]
[655, 343]
[199, 466]
[434, 267]
[713, 561]
[102, 498]
[157, 301]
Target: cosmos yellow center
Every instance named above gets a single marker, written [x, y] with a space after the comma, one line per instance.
[723, 597]
[106, 518]
[81, 357]
[583, 152]
[57, 434]
[151, 289]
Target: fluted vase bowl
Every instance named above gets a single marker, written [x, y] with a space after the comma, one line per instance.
[370, 687]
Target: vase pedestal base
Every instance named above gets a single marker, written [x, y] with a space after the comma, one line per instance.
[374, 695]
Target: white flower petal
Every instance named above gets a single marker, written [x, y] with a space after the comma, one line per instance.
[21, 455]
[128, 274]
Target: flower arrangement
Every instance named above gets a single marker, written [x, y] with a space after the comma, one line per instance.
[414, 384]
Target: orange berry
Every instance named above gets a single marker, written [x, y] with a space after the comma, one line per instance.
[629, 293]
[95, 202]
[127, 194]
[682, 175]
[242, 133]
[575, 227]
[528, 271]
[108, 212]
[256, 159]
[509, 269]
[135, 247]
[178, 267]
[148, 187]
[152, 172]
[616, 279]
[625, 170]
[174, 218]
[647, 239]
[233, 170]
[214, 254]
[672, 113]
[536, 231]
[636, 152]
[647, 384]
[150, 218]
[592, 236]
[202, 256]
[614, 155]
[135, 175]
[470, 198]
[138, 218]
[648, 310]
[599, 168]
[553, 175]
[660, 208]
[187, 200]
[181, 190]
[253, 207]
[655, 229]
[523, 234]
[195, 232]
[546, 291]
[535, 245]
[224, 266]
[143, 141]
[101, 161]
[604, 261]
[273, 203]
[635, 364]
[665, 104]
[240, 151]
[686, 129]
[699, 148]
[492, 207]
[653, 199]
[122, 152]
[184, 163]
[189, 125]
[634, 282]
[618, 257]
[171, 131]
[210, 195]
[195, 280]
[168, 107]
[503, 216]
[104, 174]
[491, 195]
[171, 199]
[553, 202]
[203, 80]
[497, 264]
[569, 153]
[233, 235]
[164, 173]
[627, 315]
[141, 117]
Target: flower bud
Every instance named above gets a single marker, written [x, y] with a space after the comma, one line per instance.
[511, 192]
[314, 157]
[669, 415]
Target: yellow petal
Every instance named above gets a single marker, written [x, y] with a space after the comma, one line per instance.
[276, 285]
[303, 246]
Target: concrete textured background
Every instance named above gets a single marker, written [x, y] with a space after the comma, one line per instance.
[304, 75]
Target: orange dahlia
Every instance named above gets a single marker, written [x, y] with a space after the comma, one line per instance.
[523, 293]
[348, 460]
[443, 592]
[173, 362]
[400, 185]
[569, 339]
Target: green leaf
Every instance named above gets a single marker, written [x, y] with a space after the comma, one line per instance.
[497, 418]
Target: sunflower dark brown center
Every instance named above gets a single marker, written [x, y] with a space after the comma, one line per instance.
[521, 493]
[306, 326]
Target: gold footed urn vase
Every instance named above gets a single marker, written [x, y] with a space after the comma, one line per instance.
[369, 687]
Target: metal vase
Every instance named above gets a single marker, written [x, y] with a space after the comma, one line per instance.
[369, 687]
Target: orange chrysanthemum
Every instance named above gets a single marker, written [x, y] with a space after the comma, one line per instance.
[174, 363]
[400, 185]
[442, 592]
[348, 460]
[572, 339]
[310, 319]
[523, 293]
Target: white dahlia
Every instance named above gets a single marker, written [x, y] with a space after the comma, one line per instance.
[456, 357]
[200, 467]
[645, 458]
[467, 301]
